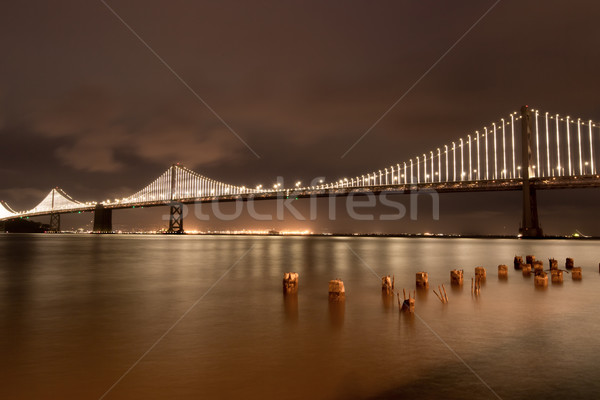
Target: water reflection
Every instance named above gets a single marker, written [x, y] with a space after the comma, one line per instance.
[387, 300]
[337, 309]
[290, 305]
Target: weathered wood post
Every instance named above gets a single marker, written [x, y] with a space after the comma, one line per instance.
[502, 271]
[456, 277]
[337, 292]
[422, 280]
[541, 279]
[529, 259]
[387, 285]
[538, 266]
[576, 274]
[556, 275]
[526, 268]
[553, 263]
[407, 304]
[480, 273]
[569, 263]
[290, 282]
[518, 262]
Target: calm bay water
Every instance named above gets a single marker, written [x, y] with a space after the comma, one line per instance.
[78, 311]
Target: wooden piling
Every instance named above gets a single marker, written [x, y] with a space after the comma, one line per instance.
[502, 271]
[553, 263]
[529, 259]
[456, 277]
[541, 280]
[518, 262]
[569, 263]
[422, 280]
[556, 275]
[387, 284]
[290, 282]
[445, 294]
[407, 304]
[337, 292]
[480, 272]
[576, 274]
[538, 267]
[526, 268]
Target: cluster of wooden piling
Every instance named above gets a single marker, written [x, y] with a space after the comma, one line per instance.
[540, 274]
[443, 296]
[337, 291]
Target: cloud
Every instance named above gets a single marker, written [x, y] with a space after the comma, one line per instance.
[96, 131]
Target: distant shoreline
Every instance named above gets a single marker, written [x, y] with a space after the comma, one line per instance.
[374, 235]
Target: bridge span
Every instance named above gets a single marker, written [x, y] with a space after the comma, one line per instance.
[526, 151]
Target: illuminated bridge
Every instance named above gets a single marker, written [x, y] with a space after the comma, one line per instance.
[528, 151]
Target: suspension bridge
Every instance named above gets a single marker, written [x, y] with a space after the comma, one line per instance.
[528, 151]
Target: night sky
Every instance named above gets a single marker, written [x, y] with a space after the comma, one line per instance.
[86, 106]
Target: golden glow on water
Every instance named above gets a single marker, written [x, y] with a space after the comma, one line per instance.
[78, 311]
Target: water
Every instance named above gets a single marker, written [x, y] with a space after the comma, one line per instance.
[78, 311]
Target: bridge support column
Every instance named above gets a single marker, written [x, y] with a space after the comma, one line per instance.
[530, 227]
[102, 219]
[176, 218]
[54, 223]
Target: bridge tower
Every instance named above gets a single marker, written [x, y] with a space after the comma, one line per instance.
[54, 217]
[176, 209]
[102, 219]
[530, 227]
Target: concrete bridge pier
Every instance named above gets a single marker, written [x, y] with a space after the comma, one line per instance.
[54, 223]
[530, 227]
[176, 218]
[102, 219]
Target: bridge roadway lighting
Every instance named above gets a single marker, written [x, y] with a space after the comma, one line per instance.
[418, 171]
[537, 143]
[569, 146]
[431, 153]
[446, 151]
[380, 178]
[495, 153]
[558, 145]
[503, 147]
[512, 127]
[470, 168]
[579, 141]
[386, 175]
[462, 168]
[486, 153]
[477, 140]
[425, 168]
[547, 145]
[454, 161]
[592, 171]
[439, 174]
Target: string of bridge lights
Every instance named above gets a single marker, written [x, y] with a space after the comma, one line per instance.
[404, 173]
[564, 146]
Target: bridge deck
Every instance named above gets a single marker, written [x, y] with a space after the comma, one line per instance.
[584, 181]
